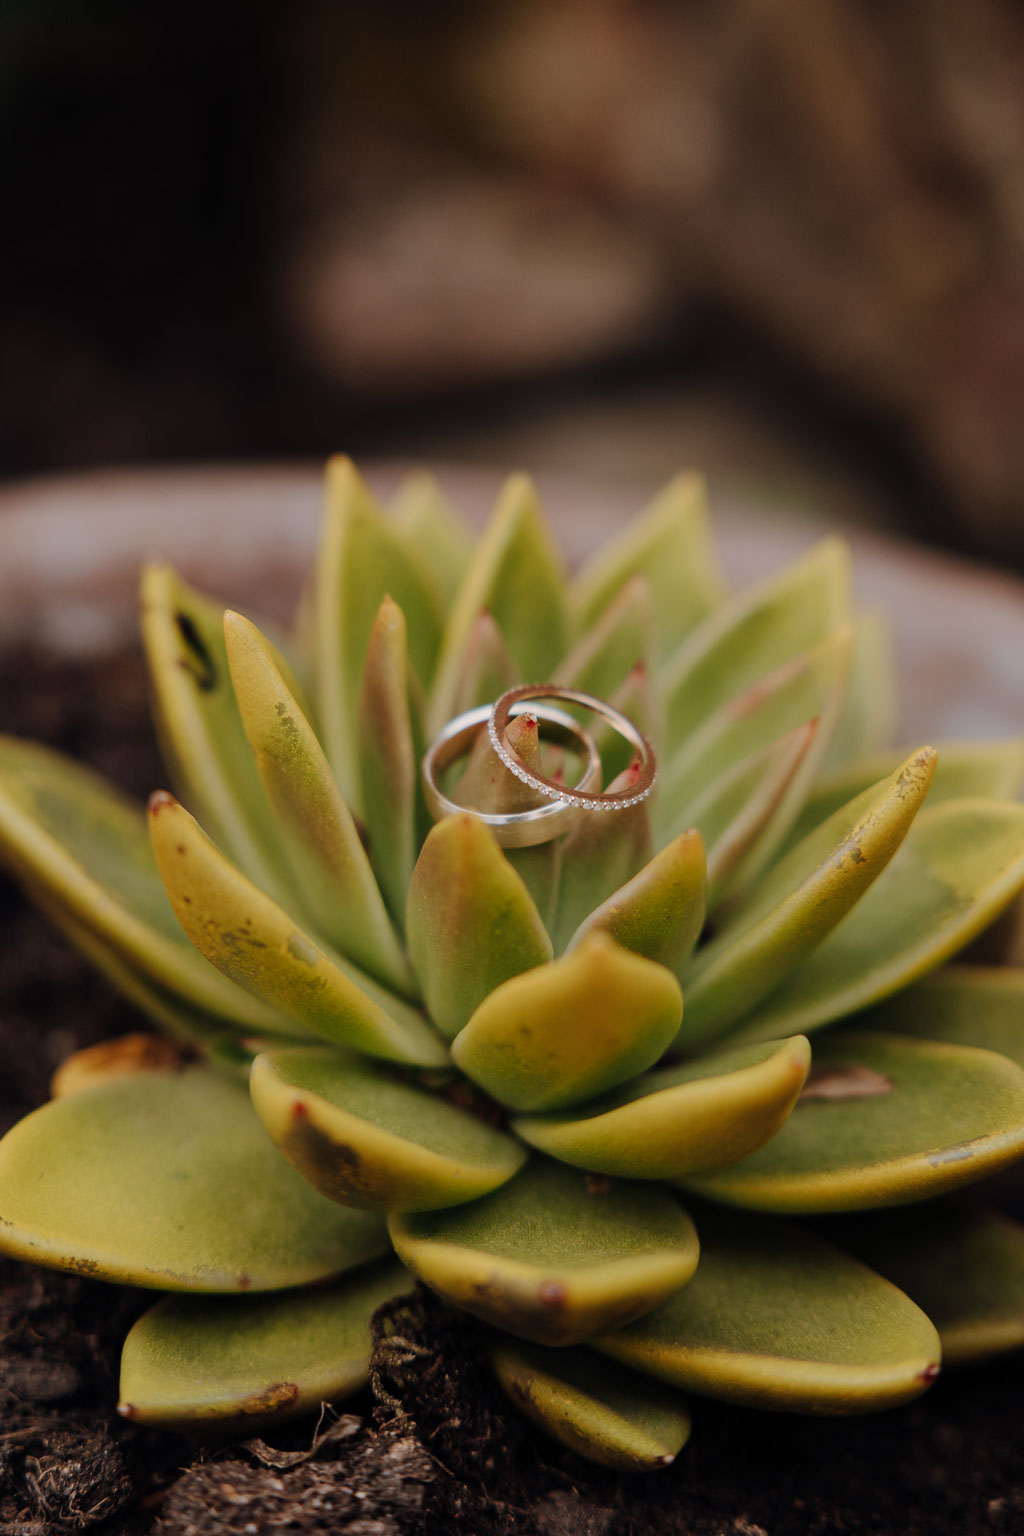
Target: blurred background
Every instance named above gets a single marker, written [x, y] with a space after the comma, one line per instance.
[784, 241]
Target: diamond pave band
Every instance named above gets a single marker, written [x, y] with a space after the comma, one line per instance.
[579, 796]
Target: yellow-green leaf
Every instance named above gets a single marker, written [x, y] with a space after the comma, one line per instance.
[362, 560]
[200, 727]
[868, 716]
[807, 689]
[364, 1137]
[980, 1005]
[427, 521]
[597, 1408]
[660, 912]
[563, 1032]
[748, 637]
[777, 1318]
[219, 1364]
[958, 868]
[329, 863]
[962, 1264]
[515, 575]
[619, 639]
[170, 1181]
[694, 1117]
[82, 849]
[552, 1256]
[883, 1120]
[257, 944]
[470, 922]
[670, 546]
[799, 902]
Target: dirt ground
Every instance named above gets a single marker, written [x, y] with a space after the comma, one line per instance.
[430, 1447]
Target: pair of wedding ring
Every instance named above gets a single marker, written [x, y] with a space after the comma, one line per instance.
[521, 829]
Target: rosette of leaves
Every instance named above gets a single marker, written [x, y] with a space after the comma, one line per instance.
[678, 1103]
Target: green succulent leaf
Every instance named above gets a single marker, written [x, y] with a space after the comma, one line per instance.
[201, 732]
[963, 1265]
[364, 1137]
[389, 755]
[81, 848]
[883, 1120]
[798, 904]
[660, 912]
[777, 1318]
[752, 634]
[597, 1408]
[563, 1032]
[670, 546]
[620, 637]
[553, 1256]
[257, 944]
[683, 1119]
[470, 923]
[169, 1180]
[966, 770]
[516, 576]
[487, 670]
[959, 867]
[978, 1005]
[217, 1364]
[428, 523]
[599, 856]
[808, 687]
[867, 717]
[329, 863]
[739, 816]
[363, 559]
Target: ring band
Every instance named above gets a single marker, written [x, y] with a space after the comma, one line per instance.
[618, 800]
[513, 829]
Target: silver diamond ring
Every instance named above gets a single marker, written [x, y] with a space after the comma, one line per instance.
[516, 699]
[513, 829]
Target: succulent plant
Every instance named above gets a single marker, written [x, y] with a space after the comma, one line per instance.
[570, 1086]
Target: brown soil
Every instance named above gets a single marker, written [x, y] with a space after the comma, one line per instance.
[432, 1448]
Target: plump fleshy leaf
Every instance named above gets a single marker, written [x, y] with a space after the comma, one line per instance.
[515, 575]
[993, 770]
[607, 652]
[799, 902]
[962, 1264]
[217, 1364]
[660, 912]
[170, 1181]
[329, 863]
[365, 1137]
[808, 687]
[82, 848]
[670, 546]
[867, 718]
[255, 942]
[598, 1408]
[470, 923]
[201, 733]
[599, 856]
[980, 1005]
[561, 1033]
[362, 560]
[552, 1256]
[960, 865]
[777, 1318]
[486, 670]
[107, 1060]
[758, 630]
[740, 815]
[389, 756]
[883, 1120]
[428, 522]
[700, 1115]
